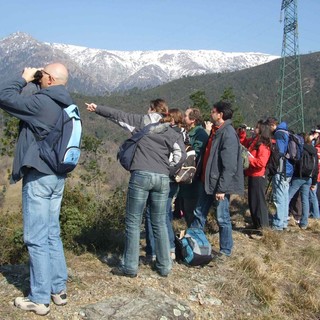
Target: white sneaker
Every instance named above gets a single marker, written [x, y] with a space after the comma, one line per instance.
[24, 303]
[60, 299]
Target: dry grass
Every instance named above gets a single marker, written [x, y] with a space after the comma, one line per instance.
[272, 276]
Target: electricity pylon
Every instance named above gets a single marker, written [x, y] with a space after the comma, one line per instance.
[290, 100]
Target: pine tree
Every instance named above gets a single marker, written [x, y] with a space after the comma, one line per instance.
[229, 96]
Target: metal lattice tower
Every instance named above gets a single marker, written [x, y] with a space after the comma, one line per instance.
[290, 100]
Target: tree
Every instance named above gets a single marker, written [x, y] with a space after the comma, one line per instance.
[10, 131]
[229, 96]
[200, 101]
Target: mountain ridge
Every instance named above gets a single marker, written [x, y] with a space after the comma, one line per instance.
[107, 71]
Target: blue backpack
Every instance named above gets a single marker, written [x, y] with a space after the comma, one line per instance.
[194, 247]
[128, 148]
[60, 148]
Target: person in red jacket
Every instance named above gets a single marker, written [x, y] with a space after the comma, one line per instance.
[259, 148]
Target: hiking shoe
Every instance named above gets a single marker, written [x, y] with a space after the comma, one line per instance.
[59, 299]
[24, 303]
[120, 272]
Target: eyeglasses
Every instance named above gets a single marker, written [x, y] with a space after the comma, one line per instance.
[45, 72]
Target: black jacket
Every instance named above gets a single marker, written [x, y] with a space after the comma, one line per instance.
[224, 169]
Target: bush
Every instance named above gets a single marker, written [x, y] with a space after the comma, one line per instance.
[12, 248]
[89, 223]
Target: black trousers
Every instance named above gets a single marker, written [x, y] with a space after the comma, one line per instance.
[257, 202]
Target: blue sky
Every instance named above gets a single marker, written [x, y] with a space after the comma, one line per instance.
[226, 25]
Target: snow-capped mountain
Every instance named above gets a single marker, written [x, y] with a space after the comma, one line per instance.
[97, 71]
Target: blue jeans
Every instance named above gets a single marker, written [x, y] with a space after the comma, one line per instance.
[205, 201]
[150, 247]
[41, 201]
[280, 191]
[314, 204]
[303, 185]
[145, 185]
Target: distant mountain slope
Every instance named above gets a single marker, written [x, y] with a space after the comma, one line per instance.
[95, 71]
[255, 90]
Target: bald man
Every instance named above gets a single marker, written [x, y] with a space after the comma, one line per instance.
[42, 188]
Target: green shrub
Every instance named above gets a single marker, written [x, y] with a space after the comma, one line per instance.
[89, 223]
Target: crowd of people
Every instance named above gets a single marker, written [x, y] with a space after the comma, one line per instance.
[152, 187]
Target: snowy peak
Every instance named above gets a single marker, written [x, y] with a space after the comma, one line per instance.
[109, 70]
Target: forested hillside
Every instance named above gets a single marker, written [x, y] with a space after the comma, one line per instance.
[255, 91]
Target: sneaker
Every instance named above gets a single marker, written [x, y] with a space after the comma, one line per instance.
[60, 299]
[120, 272]
[27, 305]
[303, 227]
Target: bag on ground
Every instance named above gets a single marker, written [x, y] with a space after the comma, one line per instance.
[194, 247]
[60, 148]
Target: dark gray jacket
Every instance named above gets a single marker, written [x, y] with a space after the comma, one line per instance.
[36, 112]
[153, 150]
[224, 170]
[130, 121]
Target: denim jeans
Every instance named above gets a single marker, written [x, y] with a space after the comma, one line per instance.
[314, 203]
[145, 185]
[303, 185]
[280, 191]
[150, 247]
[41, 201]
[205, 201]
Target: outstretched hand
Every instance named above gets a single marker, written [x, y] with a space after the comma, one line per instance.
[91, 107]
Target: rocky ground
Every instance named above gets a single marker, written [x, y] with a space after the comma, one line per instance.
[217, 291]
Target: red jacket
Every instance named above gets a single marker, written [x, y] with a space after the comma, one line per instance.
[258, 162]
[318, 150]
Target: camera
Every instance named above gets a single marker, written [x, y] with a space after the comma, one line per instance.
[37, 77]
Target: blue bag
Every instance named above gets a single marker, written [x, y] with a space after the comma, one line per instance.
[60, 148]
[195, 249]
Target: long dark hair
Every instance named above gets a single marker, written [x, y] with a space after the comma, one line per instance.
[264, 134]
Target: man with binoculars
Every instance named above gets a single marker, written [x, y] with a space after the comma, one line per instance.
[42, 188]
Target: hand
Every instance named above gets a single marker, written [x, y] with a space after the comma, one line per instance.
[220, 196]
[91, 107]
[28, 74]
[313, 187]
[208, 125]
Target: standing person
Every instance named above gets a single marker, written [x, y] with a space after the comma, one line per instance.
[305, 181]
[42, 189]
[149, 181]
[198, 137]
[281, 180]
[222, 175]
[175, 119]
[260, 150]
[314, 194]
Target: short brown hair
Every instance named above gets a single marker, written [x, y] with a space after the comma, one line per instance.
[195, 114]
